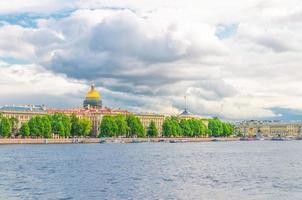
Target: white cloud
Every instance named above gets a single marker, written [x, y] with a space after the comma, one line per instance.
[33, 83]
[45, 6]
[12, 43]
[146, 55]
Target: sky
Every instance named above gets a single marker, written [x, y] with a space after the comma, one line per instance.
[232, 59]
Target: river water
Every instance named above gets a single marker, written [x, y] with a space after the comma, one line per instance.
[215, 170]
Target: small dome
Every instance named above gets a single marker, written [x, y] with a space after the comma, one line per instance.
[93, 93]
[185, 112]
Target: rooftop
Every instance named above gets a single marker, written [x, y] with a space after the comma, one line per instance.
[36, 108]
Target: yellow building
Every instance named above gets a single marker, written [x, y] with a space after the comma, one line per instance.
[23, 113]
[255, 128]
[147, 118]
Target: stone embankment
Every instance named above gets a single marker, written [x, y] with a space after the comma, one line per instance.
[48, 141]
[108, 140]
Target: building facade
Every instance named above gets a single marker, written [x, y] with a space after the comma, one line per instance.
[147, 118]
[270, 129]
[23, 113]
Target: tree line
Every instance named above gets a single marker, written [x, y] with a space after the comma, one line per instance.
[175, 127]
[131, 126]
[121, 125]
[112, 126]
[47, 125]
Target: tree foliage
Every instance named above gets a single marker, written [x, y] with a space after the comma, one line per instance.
[218, 128]
[119, 125]
[85, 127]
[122, 125]
[5, 127]
[173, 127]
[61, 124]
[108, 127]
[152, 130]
[75, 129]
[40, 126]
[44, 126]
[136, 128]
[24, 130]
[80, 127]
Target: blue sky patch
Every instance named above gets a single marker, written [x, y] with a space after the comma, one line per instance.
[287, 114]
[28, 20]
[226, 31]
[14, 61]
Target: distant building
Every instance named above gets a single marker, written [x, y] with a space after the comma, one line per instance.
[147, 118]
[23, 113]
[268, 128]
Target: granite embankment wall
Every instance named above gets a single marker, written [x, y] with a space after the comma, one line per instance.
[48, 141]
[108, 140]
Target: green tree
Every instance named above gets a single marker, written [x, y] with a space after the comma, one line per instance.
[75, 125]
[33, 127]
[197, 127]
[61, 125]
[141, 129]
[108, 127]
[24, 130]
[85, 126]
[47, 132]
[60, 129]
[135, 127]
[209, 132]
[152, 130]
[67, 125]
[228, 129]
[122, 125]
[216, 127]
[40, 126]
[5, 127]
[203, 128]
[167, 127]
[186, 127]
[176, 128]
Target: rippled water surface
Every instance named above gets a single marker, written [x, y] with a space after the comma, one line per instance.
[217, 170]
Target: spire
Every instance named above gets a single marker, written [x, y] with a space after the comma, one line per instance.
[185, 112]
[185, 102]
[92, 85]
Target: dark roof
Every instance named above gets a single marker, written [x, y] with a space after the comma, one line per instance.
[185, 112]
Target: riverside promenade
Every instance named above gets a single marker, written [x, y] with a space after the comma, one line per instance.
[108, 140]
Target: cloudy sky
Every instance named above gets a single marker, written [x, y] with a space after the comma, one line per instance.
[233, 59]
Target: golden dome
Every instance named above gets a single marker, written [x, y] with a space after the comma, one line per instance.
[93, 93]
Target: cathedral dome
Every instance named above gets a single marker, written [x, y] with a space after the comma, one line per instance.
[93, 99]
[93, 93]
